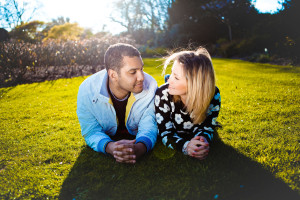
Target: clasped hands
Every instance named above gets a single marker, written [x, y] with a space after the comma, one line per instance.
[198, 147]
[126, 151]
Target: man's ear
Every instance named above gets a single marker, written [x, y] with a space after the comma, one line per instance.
[113, 75]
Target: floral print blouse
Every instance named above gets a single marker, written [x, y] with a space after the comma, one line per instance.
[174, 123]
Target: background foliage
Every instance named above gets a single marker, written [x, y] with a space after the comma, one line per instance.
[231, 29]
[19, 58]
[227, 28]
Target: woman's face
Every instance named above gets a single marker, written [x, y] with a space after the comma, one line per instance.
[177, 81]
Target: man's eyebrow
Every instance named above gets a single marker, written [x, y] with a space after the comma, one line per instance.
[137, 68]
[133, 69]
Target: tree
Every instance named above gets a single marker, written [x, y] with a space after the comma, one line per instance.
[87, 33]
[289, 36]
[67, 31]
[4, 36]
[54, 22]
[289, 14]
[12, 13]
[238, 15]
[145, 20]
[141, 14]
[190, 20]
[28, 31]
[206, 21]
[129, 14]
[156, 13]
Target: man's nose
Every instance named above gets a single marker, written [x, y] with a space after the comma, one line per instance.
[140, 76]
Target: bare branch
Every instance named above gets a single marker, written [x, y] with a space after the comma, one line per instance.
[12, 13]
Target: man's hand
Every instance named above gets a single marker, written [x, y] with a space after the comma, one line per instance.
[198, 147]
[125, 151]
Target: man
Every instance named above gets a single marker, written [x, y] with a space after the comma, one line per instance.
[115, 106]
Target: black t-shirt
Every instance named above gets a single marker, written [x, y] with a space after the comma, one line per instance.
[120, 108]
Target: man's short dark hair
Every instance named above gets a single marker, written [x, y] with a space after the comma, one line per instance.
[113, 58]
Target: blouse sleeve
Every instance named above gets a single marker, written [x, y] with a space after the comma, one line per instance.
[207, 128]
[166, 130]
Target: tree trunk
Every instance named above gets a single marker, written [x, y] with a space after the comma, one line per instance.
[229, 32]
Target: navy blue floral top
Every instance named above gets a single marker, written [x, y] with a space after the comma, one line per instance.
[175, 125]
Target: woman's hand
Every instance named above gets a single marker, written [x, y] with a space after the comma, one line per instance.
[198, 147]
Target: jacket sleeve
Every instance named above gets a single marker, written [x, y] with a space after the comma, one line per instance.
[91, 130]
[166, 130]
[147, 128]
[207, 128]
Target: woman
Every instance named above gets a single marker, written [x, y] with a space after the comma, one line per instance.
[188, 105]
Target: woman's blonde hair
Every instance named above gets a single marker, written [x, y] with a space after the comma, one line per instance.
[200, 76]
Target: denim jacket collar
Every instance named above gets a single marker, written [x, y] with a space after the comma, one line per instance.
[103, 95]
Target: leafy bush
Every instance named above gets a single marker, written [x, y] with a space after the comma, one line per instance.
[19, 58]
[228, 49]
[260, 49]
[261, 58]
[153, 52]
[16, 59]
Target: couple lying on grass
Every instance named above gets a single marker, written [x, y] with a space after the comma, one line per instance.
[121, 111]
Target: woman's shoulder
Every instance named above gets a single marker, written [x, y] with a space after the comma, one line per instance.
[217, 97]
[163, 89]
[217, 90]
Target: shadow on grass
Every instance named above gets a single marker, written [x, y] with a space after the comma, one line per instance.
[165, 174]
[4, 91]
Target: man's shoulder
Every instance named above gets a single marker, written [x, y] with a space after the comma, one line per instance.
[96, 77]
[93, 80]
[92, 83]
[150, 85]
[150, 81]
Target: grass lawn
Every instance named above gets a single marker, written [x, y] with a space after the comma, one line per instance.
[43, 155]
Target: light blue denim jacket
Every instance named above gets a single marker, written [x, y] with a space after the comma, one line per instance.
[97, 116]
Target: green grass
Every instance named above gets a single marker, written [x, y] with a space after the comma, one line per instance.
[43, 155]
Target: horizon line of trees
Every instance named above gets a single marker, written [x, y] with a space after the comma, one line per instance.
[228, 28]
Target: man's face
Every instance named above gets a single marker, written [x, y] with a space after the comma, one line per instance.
[131, 76]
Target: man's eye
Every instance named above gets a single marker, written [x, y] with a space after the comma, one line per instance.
[133, 72]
